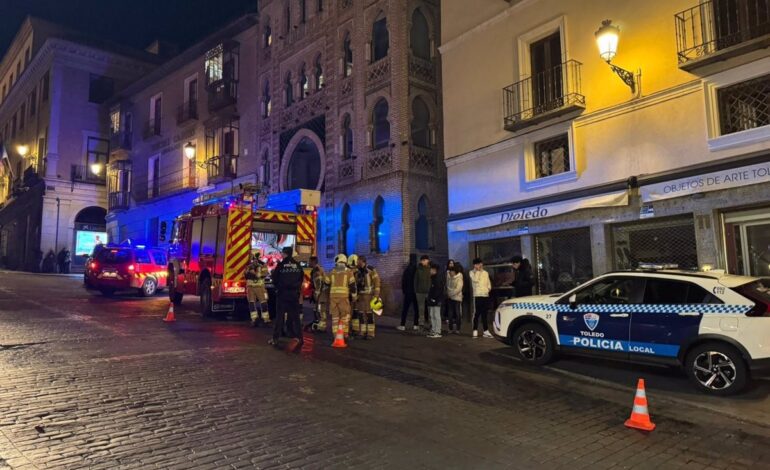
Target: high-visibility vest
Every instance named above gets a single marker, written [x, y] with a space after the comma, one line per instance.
[341, 282]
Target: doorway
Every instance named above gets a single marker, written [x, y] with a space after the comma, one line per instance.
[747, 242]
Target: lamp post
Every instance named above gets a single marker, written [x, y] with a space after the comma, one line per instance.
[607, 38]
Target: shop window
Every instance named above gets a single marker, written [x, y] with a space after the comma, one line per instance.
[423, 226]
[380, 39]
[497, 255]
[747, 242]
[744, 106]
[381, 131]
[552, 156]
[420, 36]
[420, 123]
[663, 241]
[563, 260]
[347, 54]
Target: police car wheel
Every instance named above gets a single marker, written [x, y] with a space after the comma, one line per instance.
[717, 369]
[533, 344]
[149, 287]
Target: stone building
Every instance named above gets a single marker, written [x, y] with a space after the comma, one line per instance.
[657, 150]
[54, 142]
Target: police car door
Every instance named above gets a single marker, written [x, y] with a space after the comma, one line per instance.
[669, 317]
[600, 318]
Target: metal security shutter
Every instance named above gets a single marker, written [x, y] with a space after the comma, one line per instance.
[670, 240]
[563, 260]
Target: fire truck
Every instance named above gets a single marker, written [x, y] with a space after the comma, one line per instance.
[213, 243]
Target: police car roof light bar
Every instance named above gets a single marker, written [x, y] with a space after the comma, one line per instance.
[658, 266]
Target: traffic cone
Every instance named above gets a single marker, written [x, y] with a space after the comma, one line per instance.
[339, 338]
[640, 417]
[170, 315]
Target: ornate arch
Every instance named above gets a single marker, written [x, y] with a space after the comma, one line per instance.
[292, 146]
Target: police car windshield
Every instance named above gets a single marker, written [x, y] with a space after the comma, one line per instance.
[113, 256]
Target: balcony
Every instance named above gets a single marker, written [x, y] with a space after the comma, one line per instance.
[546, 95]
[423, 159]
[378, 72]
[83, 174]
[222, 168]
[118, 201]
[222, 93]
[121, 140]
[187, 112]
[151, 128]
[422, 69]
[717, 30]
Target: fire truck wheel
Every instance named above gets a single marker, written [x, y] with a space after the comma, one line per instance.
[149, 287]
[206, 305]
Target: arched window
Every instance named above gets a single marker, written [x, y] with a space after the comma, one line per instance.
[302, 11]
[319, 74]
[420, 36]
[380, 40]
[380, 236]
[267, 102]
[347, 53]
[347, 137]
[267, 37]
[287, 19]
[381, 125]
[420, 123]
[304, 84]
[265, 169]
[288, 90]
[422, 232]
[347, 239]
[320, 5]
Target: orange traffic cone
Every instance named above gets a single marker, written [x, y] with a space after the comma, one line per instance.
[339, 338]
[640, 417]
[170, 315]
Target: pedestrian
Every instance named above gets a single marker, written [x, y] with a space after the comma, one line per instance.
[454, 302]
[481, 288]
[67, 261]
[467, 293]
[49, 262]
[320, 293]
[435, 300]
[407, 289]
[342, 288]
[422, 287]
[522, 277]
[287, 278]
[256, 292]
[444, 312]
[368, 288]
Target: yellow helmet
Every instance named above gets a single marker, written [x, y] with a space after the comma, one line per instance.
[352, 261]
[340, 259]
[376, 305]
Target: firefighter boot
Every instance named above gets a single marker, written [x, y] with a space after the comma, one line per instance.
[355, 324]
[265, 314]
[370, 330]
[253, 313]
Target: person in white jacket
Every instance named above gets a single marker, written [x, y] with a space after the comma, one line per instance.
[454, 290]
[481, 287]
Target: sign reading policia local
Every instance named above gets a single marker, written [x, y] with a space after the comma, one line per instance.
[724, 179]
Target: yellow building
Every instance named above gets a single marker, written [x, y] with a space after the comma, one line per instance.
[584, 165]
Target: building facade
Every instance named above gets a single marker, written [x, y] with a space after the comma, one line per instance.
[656, 151]
[55, 144]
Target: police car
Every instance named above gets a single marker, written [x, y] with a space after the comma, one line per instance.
[715, 325]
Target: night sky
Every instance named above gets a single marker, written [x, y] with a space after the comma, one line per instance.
[134, 23]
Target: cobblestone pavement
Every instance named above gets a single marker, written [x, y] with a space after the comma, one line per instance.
[91, 382]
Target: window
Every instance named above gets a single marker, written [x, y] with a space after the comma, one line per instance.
[563, 260]
[302, 11]
[304, 85]
[209, 236]
[347, 138]
[98, 151]
[45, 83]
[153, 175]
[22, 116]
[195, 241]
[100, 88]
[420, 36]
[287, 18]
[666, 291]
[265, 169]
[33, 102]
[546, 72]
[160, 258]
[304, 169]
[267, 103]
[347, 238]
[115, 121]
[420, 124]
[320, 5]
[745, 105]
[288, 90]
[214, 65]
[267, 36]
[422, 233]
[736, 21]
[380, 40]
[380, 236]
[142, 256]
[156, 110]
[381, 125]
[552, 156]
[319, 74]
[191, 94]
[611, 291]
[347, 53]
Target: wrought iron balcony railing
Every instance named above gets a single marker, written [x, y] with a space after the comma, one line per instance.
[222, 94]
[223, 167]
[121, 140]
[715, 30]
[119, 200]
[545, 95]
[188, 111]
[83, 174]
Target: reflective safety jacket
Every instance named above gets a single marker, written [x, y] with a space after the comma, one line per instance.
[342, 283]
[256, 273]
[368, 281]
[320, 289]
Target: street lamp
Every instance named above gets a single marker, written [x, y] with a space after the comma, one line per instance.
[607, 37]
[189, 151]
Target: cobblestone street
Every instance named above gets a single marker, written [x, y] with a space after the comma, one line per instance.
[94, 382]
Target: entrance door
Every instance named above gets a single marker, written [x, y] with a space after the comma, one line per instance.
[545, 63]
[747, 243]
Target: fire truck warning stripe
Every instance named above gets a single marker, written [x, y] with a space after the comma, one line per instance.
[239, 242]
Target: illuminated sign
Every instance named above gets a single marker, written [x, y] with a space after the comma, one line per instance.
[86, 241]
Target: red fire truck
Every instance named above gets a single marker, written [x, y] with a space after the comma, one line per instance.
[213, 243]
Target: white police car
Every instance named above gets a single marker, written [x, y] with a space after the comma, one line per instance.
[716, 326]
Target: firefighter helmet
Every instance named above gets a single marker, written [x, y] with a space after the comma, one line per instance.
[340, 259]
[376, 305]
[352, 261]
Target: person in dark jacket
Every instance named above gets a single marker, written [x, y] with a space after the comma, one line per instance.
[522, 280]
[287, 279]
[407, 289]
[467, 293]
[422, 287]
[435, 300]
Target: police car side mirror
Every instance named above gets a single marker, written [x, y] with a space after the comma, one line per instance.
[573, 302]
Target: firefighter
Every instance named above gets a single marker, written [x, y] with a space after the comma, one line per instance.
[287, 278]
[368, 284]
[342, 287]
[320, 293]
[256, 292]
[355, 324]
